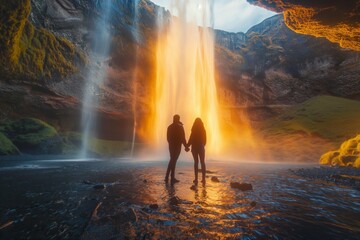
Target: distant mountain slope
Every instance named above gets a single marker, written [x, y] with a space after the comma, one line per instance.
[279, 66]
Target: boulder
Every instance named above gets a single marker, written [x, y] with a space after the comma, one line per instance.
[215, 179]
[347, 155]
[7, 147]
[241, 186]
[33, 136]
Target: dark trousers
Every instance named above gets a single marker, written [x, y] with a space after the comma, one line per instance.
[199, 154]
[174, 155]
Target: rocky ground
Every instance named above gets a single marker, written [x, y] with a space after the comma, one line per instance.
[122, 199]
[343, 176]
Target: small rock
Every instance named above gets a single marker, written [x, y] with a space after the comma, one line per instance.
[124, 217]
[154, 206]
[253, 204]
[99, 187]
[241, 186]
[59, 202]
[215, 179]
[131, 215]
[174, 200]
[86, 182]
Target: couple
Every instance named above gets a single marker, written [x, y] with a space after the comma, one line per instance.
[197, 141]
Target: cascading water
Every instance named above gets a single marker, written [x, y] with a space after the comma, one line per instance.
[185, 75]
[136, 36]
[96, 74]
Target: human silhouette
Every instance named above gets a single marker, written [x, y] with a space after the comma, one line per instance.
[197, 141]
[175, 138]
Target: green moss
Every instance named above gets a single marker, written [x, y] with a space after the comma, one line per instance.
[44, 55]
[29, 132]
[7, 147]
[347, 155]
[14, 16]
[30, 52]
[332, 118]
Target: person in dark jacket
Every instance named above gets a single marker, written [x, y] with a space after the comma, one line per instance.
[175, 138]
[197, 141]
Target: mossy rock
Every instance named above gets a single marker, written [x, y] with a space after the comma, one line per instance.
[33, 136]
[347, 155]
[33, 53]
[7, 147]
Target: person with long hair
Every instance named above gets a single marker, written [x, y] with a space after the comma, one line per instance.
[197, 141]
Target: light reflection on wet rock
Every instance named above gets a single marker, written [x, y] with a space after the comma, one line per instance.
[281, 206]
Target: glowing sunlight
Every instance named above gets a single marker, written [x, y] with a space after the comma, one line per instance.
[185, 81]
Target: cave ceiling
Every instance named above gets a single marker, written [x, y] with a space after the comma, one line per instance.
[336, 20]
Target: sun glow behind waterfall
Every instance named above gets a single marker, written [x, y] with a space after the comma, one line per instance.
[185, 75]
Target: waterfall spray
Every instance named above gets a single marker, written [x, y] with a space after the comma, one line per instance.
[185, 72]
[136, 36]
[96, 73]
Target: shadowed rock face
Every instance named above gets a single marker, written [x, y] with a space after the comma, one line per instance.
[338, 21]
[58, 101]
[274, 65]
[270, 64]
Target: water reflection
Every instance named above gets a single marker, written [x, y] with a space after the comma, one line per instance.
[280, 206]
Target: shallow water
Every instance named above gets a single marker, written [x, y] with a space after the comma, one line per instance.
[280, 206]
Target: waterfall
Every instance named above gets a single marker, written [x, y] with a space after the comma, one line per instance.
[136, 36]
[97, 73]
[185, 72]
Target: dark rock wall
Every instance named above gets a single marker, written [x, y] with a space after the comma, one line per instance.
[270, 64]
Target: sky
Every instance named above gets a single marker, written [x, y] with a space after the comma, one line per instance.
[232, 15]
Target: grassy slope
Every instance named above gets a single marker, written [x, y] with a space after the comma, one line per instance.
[106, 148]
[332, 118]
[310, 129]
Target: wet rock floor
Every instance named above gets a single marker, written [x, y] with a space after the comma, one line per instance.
[119, 199]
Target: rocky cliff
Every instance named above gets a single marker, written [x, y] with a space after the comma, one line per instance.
[58, 35]
[33, 53]
[274, 65]
[48, 40]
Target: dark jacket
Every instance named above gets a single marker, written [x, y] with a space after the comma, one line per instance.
[197, 139]
[176, 134]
